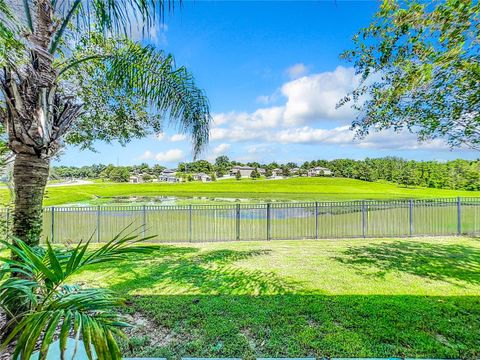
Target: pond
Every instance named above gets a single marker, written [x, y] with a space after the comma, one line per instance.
[171, 200]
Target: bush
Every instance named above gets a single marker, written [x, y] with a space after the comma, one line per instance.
[34, 291]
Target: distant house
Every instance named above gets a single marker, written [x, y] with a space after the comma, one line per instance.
[168, 178]
[168, 175]
[202, 177]
[295, 170]
[245, 171]
[319, 171]
[169, 172]
[136, 179]
[277, 172]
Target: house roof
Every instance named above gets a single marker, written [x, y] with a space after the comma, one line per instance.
[243, 168]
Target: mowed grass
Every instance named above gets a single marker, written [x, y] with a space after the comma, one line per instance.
[306, 189]
[417, 297]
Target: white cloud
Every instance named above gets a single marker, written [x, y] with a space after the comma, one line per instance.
[172, 155]
[263, 99]
[308, 135]
[269, 117]
[315, 97]
[297, 70]
[390, 140]
[221, 149]
[259, 149]
[268, 99]
[307, 117]
[160, 136]
[178, 137]
[237, 133]
[147, 155]
[310, 99]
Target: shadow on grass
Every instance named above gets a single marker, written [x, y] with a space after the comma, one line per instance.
[291, 325]
[240, 312]
[206, 272]
[452, 263]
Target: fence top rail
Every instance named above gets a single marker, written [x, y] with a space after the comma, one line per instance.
[260, 206]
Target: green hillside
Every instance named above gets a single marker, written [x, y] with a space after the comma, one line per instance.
[306, 189]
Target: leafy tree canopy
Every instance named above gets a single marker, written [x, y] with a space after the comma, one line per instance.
[108, 86]
[419, 67]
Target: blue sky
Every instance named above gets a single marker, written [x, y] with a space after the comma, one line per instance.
[272, 72]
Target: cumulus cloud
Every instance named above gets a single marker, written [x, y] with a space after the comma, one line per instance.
[309, 116]
[390, 140]
[221, 149]
[259, 149]
[315, 97]
[297, 70]
[268, 99]
[178, 137]
[309, 99]
[236, 133]
[147, 155]
[308, 135]
[172, 155]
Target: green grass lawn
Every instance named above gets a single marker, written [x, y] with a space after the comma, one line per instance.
[307, 189]
[417, 297]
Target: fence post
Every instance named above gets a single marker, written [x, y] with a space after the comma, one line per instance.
[364, 219]
[237, 221]
[53, 224]
[144, 228]
[98, 223]
[316, 219]
[410, 216]
[190, 223]
[459, 215]
[268, 221]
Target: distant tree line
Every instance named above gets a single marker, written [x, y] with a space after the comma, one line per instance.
[455, 174]
[106, 172]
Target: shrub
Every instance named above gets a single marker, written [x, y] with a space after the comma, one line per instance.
[39, 301]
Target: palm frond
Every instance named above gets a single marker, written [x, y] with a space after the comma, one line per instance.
[109, 16]
[151, 74]
[28, 14]
[147, 77]
[11, 45]
[37, 285]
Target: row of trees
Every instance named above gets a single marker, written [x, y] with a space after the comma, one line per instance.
[455, 174]
[101, 171]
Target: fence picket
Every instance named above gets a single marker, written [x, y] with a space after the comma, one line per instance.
[273, 221]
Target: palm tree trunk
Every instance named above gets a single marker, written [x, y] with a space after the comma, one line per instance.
[30, 174]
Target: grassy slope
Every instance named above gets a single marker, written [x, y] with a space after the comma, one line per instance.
[349, 298]
[293, 189]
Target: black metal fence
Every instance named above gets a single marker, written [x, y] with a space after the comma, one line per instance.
[309, 220]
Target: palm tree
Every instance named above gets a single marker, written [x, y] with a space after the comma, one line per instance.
[71, 74]
[36, 293]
